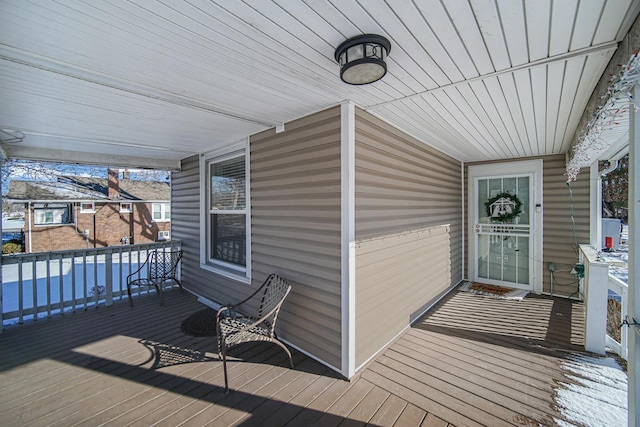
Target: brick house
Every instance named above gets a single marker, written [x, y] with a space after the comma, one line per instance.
[81, 212]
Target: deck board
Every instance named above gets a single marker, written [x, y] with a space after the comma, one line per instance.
[470, 361]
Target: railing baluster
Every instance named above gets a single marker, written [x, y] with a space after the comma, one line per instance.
[48, 280]
[120, 272]
[84, 279]
[20, 293]
[73, 283]
[61, 283]
[108, 273]
[34, 287]
[96, 286]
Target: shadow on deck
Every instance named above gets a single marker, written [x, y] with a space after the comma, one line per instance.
[470, 361]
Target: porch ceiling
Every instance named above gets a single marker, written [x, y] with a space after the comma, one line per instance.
[154, 82]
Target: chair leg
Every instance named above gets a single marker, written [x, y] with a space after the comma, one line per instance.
[284, 347]
[159, 289]
[224, 367]
[129, 293]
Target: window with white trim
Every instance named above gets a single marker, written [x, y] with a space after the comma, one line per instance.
[87, 207]
[161, 212]
[51, 213]
[126, 207]
[227, 219]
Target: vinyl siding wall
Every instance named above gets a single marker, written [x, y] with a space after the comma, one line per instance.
[295, 219]
[558, 237]
[558, 244]
[408, 230]
[295, 205]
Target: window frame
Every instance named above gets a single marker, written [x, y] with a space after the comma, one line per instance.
[49, 208]
[87, 210]
[126, 210]
[226, 269]
[163, 211]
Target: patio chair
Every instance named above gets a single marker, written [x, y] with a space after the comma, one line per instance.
[161, 268]
[234, 328]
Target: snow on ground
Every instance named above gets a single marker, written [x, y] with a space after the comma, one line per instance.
[618, 262]
[594, 393]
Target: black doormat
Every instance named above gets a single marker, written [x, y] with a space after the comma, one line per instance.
[200, 324]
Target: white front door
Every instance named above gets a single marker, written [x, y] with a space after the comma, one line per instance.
[506, 224]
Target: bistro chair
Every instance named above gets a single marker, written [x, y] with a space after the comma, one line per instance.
[234, 328]
[160, 269]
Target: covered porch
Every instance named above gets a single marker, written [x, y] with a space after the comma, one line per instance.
[471, 360]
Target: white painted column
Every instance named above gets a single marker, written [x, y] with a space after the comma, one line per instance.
[348, 189]
[634, 262]
[595, 182]
[596, 276]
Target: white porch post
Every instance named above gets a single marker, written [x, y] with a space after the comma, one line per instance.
[634, 262]
[348, 239]
[595, 237]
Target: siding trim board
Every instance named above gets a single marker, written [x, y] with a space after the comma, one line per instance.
[348, 239]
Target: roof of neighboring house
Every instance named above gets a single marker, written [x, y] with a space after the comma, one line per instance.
[82, 188]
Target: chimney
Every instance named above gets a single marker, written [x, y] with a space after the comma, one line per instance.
[114, 184]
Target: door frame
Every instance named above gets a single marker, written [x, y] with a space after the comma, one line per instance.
[533, 167]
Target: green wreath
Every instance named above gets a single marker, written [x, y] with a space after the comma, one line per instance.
[506, 216]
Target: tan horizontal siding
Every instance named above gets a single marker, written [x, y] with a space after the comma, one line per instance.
[401, 183]
[185, 226]
[408, 222]
[559, 243]
[398, 276]
[296, 227]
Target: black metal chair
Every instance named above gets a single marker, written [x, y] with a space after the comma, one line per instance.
[234, 328]
[161, 268]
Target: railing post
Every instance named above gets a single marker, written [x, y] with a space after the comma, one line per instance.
[634, 261]
[1, 282]
[596, 287]
[624, 333]
[108, 265]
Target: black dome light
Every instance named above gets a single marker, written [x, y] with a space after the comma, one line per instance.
[362, 59]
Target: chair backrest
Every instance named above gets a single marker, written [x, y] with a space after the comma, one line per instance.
[275, 291]
[163, 265]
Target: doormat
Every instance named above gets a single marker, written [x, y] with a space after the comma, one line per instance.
[200, 324]
[494, 291]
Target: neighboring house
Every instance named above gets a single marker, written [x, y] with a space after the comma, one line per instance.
[12, 229]
[80, 212]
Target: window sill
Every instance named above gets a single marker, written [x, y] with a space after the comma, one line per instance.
[233, 275]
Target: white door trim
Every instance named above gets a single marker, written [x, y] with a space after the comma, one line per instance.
[533, 167]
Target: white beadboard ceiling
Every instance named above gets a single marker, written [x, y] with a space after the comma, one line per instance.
[151, 82]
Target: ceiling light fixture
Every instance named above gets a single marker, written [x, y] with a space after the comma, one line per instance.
[362, 59]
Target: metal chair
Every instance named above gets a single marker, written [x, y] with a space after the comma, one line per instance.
[161, 268]
[234, 328]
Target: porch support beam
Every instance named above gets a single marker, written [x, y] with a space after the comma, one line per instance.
[348, 246]
[634, 263]
[595, 229]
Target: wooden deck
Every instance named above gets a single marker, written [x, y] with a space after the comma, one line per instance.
[471, 361]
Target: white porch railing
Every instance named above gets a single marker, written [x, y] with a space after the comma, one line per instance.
[46, 283]
[617, 304]
[604, 296]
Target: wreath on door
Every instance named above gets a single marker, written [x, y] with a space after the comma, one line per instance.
[503, 207]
